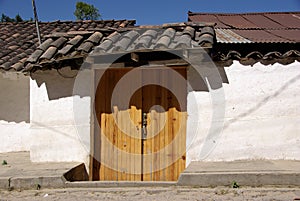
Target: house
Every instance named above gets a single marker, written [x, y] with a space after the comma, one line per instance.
[142, 102]
[260, 53]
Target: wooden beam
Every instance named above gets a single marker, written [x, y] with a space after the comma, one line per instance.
[135, 57]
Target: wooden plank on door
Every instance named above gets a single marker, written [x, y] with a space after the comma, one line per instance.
[163, 158]
[117, 125]
[163, 147]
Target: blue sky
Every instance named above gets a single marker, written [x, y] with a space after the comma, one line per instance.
[145, 12]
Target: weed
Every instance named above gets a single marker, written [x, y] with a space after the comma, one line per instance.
[234, 184]
[37, 186]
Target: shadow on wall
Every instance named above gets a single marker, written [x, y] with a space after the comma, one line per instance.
[215, 77]
[59, 83]
[203, 73]
[14, 101]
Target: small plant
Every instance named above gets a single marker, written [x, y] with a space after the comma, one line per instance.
[4, 162]
[37, 186]
[234, 184]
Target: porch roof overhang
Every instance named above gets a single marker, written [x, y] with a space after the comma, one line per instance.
[133, 46]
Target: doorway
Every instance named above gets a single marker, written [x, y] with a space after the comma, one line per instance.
[141, 113]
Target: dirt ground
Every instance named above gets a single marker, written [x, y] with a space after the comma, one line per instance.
[160, 193]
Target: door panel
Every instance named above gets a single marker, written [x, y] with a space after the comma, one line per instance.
[118, 150]
[165, 105]
[124, 155]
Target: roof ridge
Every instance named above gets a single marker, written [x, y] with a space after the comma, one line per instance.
[72, 21]
[259, 28]
[190, 13]
[177, 25]
[23, 22]
[89, 21]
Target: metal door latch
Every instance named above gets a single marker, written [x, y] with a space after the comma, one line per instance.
[144, 128]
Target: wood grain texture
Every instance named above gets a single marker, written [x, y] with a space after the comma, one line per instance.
[125, 156]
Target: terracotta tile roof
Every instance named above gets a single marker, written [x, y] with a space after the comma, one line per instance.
[283, 27]
[255, 56]
[61, 47]
[18, 40]
[267, 37]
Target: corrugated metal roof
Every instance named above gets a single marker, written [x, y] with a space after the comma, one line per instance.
[273, 20]
[257, 36]
[228, 36]
[279, 27]
[291, 34]
[236, 21]
[263, 22]
[269, 37]
[208, 18]
[289, 20]
[262, 36]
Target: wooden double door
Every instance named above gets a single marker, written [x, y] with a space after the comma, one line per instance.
[141, 116]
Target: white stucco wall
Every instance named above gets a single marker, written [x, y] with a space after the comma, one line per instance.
[262, 115]
[14, 112]
[55, 127]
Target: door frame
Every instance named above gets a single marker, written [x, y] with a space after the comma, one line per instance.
[94, 128]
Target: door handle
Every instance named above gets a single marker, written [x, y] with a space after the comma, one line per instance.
[144, 128]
